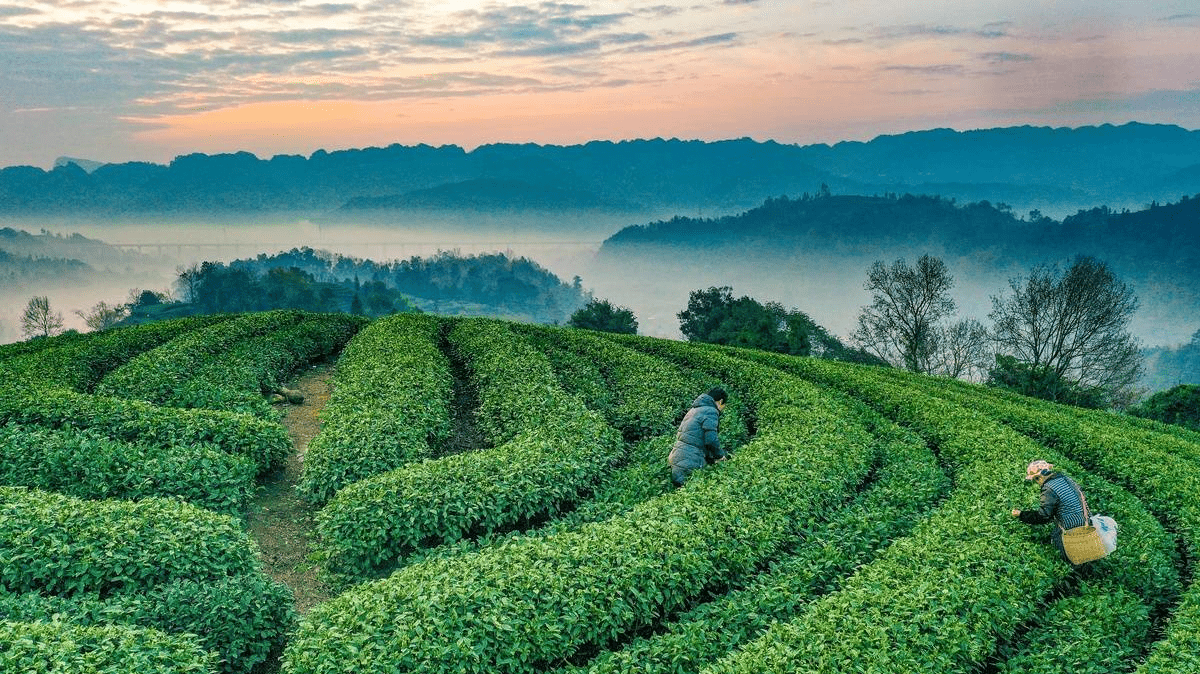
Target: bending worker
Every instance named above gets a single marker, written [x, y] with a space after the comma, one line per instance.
[1062, 502]
[696, 443]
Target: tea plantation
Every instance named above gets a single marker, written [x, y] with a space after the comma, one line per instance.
[862, 525]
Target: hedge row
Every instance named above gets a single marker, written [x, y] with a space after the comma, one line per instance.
[240, 619]
[529, 602]
[263, 442]
[238, 378]
[907, 483]
[1155, 579]
[92, 466]
[647, 395]
[579, 376]
[555, 449]
[63, 648]
[33, 344]
[1159, 468]
[1062, 643]
[663, 392]
[643, 472]
[57, 544]
[900, 613]
[390, 405]
[157, 376]
[79, 363]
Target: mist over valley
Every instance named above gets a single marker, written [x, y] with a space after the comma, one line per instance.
[640, 223]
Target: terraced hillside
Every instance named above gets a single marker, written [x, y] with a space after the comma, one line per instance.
[862, 526]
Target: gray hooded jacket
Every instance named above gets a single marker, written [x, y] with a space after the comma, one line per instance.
[697, 443]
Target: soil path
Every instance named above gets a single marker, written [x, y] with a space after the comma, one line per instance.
[280, 520]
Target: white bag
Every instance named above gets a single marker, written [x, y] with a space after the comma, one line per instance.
[1107, 528]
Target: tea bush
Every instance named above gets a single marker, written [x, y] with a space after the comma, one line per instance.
[58, 544]
[241, 619]
[390, 405]
[554, 449]
[526, 602]
[59, 648]
[92, 466]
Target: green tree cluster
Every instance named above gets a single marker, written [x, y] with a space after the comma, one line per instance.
[1179, 405]
[213, 287]
[715, 316]
[604, 316]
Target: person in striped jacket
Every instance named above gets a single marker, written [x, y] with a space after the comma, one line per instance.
[1062, 502]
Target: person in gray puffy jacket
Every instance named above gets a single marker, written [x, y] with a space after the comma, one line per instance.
[696, 443]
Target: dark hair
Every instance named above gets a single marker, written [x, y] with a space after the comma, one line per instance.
[717, 394]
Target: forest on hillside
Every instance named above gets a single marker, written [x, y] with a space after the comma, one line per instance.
[448, 283]
[1158, 233]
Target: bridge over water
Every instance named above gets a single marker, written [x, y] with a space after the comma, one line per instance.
[382, 250]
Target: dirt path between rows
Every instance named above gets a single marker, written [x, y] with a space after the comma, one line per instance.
[280, 520]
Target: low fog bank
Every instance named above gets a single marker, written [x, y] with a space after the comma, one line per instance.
[151, 252]
[828, 287]
[826, 284]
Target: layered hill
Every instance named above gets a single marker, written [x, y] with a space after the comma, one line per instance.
[1056, 170]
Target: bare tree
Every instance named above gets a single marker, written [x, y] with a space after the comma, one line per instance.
[38, 320]
[1073, 326]
[963, 350]
[188, 282]
[901, 325]
[102, 316]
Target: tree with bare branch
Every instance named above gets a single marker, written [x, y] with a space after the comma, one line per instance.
[103, 315]
[1071, 327]
[963, 350]
[38, 320]
[902, 324]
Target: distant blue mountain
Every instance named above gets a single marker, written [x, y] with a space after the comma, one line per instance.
[1052, 169]
[488, 194]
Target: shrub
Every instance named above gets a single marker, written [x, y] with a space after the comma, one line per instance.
[241, 619]
[92, 466]
[390, 405]
[58, 544]
[99, 649]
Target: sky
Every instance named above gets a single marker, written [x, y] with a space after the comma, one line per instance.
[148, 80]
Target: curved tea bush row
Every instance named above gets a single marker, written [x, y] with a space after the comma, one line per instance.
[557, 450]
[530, 601]
[92, 466]
[264, 442]
[156, 376]
[80, 362]
[1156, 579]
[518, 391]
[898, 614]
[390, 405]
[1113, 637]
[241, 619]
[33, 344]
[236, 380]
[907, 483]
[648, 396]
[62, 648]
[1141, 578]
[1159, 469]
[577, 375]
[58, 544]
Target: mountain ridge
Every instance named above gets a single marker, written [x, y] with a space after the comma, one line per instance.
[1059, 169]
